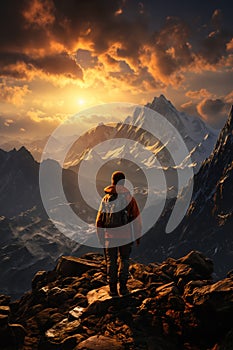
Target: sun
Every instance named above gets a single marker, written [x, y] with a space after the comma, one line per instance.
[81, 101]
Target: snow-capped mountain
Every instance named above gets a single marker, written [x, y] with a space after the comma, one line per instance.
[198, 137]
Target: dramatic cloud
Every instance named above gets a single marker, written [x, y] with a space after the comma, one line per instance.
[214, 112]
[45, 35]
[13, 94]
[109, 50]
[199, 94]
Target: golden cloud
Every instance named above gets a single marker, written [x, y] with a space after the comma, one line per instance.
[13, 94]
[213, 111]
[198, 94]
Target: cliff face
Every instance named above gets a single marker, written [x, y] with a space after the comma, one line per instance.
[173, 305]
[207, 225]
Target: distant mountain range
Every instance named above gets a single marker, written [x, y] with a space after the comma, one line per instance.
[30, 241]
[199, 138]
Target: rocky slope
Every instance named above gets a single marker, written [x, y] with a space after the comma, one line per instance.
[172, 306]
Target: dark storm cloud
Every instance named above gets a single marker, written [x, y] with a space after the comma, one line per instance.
[16, 34]
[42, 34]
[19, 66]
[59, 64]
[171, 46]
[68, 21]
[99, 21]
[214, 112]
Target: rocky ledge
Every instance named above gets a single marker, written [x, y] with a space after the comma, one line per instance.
[174, 305]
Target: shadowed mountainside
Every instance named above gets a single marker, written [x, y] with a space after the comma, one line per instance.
[207, 225]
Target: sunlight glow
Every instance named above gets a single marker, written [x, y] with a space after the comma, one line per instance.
[81, 101]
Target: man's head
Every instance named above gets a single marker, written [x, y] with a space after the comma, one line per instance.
[117, 177]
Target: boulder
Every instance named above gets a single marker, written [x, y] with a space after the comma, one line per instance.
[218, 296]
[57, 296]
[200, 264]
[71, 341]
[60, 331]
[99, 300]
[102, 293]
[72, 266]
[75, 313]
[100, 342]
[189, 287]
[213, 304]
[167, 289]
[44, 318]
[80, 300]
[38, 279]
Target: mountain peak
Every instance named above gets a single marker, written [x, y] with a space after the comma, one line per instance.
[24, 152]
[23, 149]
[161, 104]
[21, 154]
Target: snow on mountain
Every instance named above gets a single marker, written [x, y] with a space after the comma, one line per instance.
[198, 137]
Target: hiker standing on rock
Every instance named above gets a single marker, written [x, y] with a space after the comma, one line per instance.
[118, 224]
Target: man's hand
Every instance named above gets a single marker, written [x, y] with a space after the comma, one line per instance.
[138, 242]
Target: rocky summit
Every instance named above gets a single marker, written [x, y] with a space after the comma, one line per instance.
[173, 305]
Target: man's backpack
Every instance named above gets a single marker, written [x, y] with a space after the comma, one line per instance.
[115, 210]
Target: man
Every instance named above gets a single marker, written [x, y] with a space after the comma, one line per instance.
[118, 224]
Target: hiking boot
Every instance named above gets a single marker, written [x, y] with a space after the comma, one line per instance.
[113, 290]
[123, 289]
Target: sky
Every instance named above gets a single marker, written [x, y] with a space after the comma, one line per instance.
[59, 57]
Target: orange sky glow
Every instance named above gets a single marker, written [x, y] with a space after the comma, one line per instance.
[56, 60]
